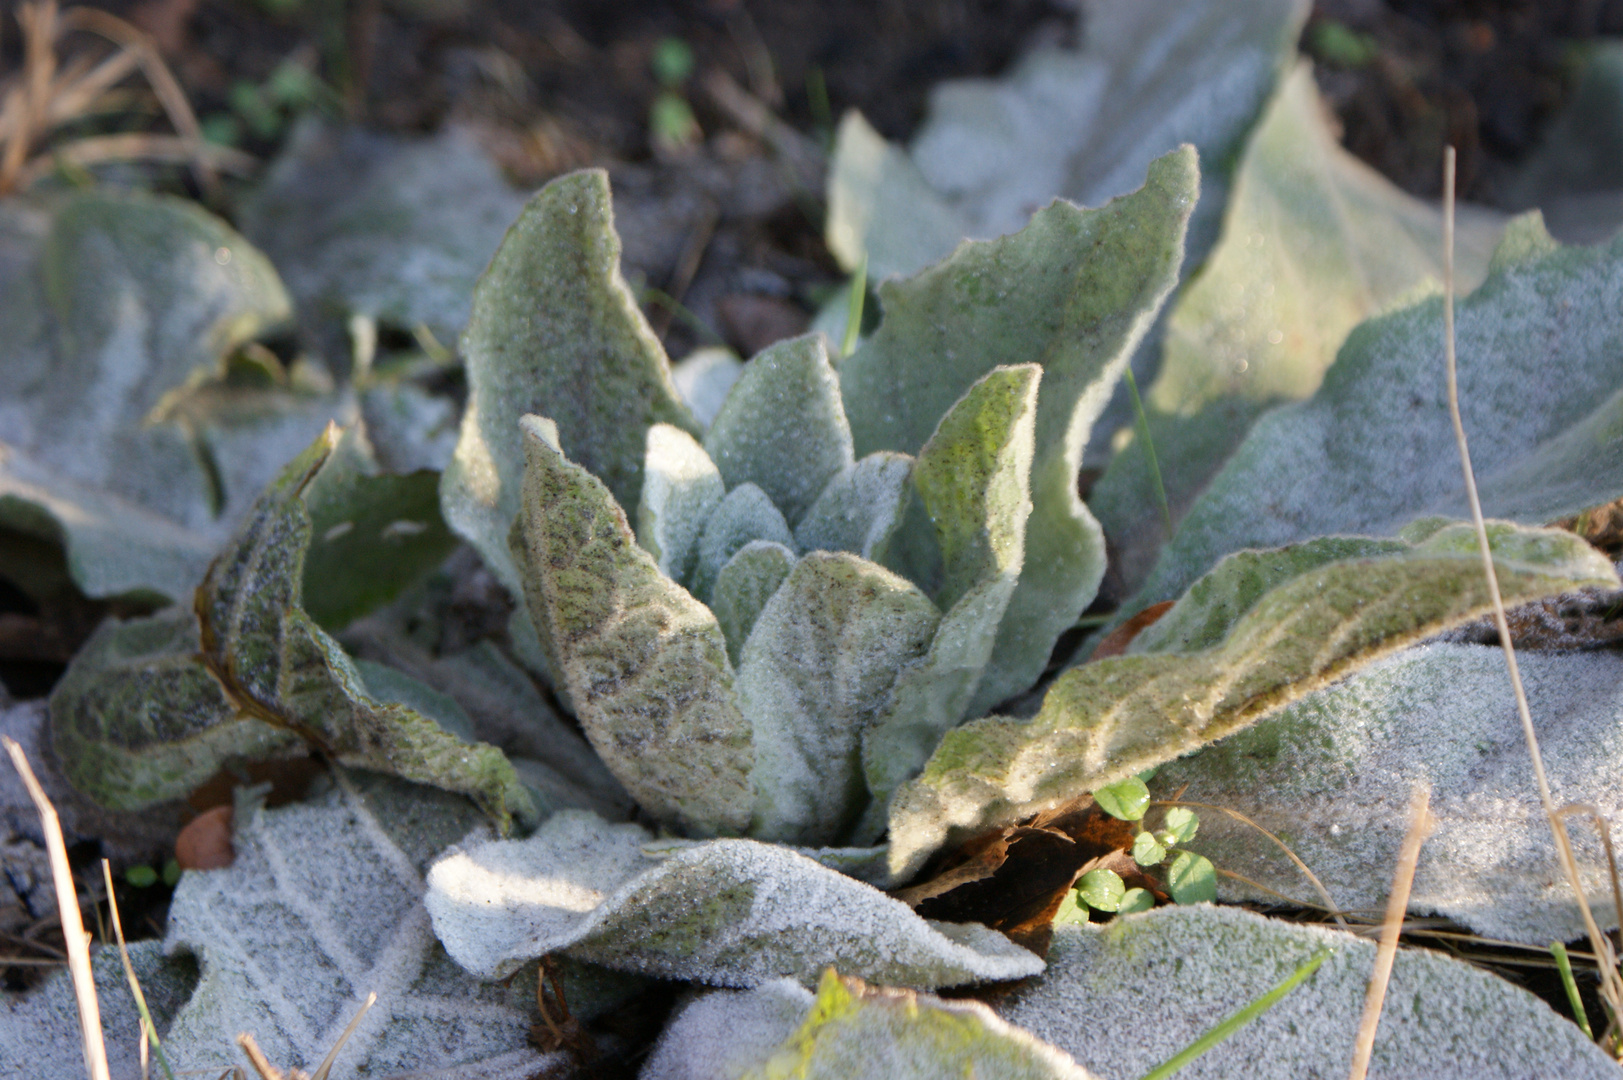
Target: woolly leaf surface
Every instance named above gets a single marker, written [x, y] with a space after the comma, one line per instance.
[746, 515]
[814, 675]
[1314, 242]
[782, 426]
[1113, 718]
[320, 908]
[1074, 290]
[725, 912]
[972, 480]
[1373, 448]
[744, 586]
[1330, 776]
[554, 330]
[681, 488]
[250, 669]
[1442, 1018]
[645, 663]
[861, 507]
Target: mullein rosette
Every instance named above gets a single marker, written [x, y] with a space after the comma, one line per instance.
[766, 626]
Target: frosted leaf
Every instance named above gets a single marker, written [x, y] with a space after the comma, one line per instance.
[722, 1034]
[726, 912]
[814, 674]
[850, 1032]
[1374, 448]
[1314, 242]
[1576, 173]
[1330, 775]
[1077, 124]
[860, 508]
[113, 308]
[645, 663]
[153, 706]
[1308, 623]
[744, 586]
[681, 487]
[40, 1033]
[972, 479]
[555, 331]
[321, 908]
[1075, 289]
[782, 427]
[1106, 995]
[744, 516]
[394, 229]
[703, 378]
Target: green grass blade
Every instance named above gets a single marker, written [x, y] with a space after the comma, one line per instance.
[853, 313]
[1564, 965]
[1224, 1028]
[1143, 423]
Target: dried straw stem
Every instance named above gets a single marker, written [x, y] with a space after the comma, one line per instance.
[1611, 985]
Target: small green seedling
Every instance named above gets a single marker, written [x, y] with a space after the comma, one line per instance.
[144, 877]
[670, 119]
[1191, 879]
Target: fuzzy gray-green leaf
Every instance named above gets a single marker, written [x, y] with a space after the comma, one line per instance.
[137, 720]
[782, 427]
[744, 586]
[1311, 468]
[113, 306]
[1314, 242]
[973, 481]
[681, 487]
[1074, 291]
[645, 663]
[814, 674]
[744, 516]
[860, 508]
[724, 912]
[251, 659]
[555, 331]
[1112, 718]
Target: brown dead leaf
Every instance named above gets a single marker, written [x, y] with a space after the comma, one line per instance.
[205, 842]
[1115, 643]
[1041, 859]
[1601, 526]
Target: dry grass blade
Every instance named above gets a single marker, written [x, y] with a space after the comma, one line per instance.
[1397, 905]
[149, 1034]
[136, 146]
[28, 104]
[73, 928]
[158, 76]
[1611, 985]
[44, 98]
[332, 1055]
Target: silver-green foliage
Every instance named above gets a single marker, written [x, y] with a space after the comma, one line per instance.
[1261, 630]
[723, 912]
[152, 707]
[861, 600]
[1108, 999]
[1540, 392]
[115, 309]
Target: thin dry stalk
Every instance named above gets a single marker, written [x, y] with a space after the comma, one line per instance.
[73, 928]
[26, 106]
[1610, 984]
[1397, 906]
